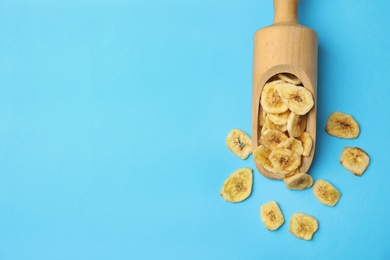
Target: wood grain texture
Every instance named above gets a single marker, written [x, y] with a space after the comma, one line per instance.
[285, 47]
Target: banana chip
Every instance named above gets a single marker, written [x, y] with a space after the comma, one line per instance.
[296, 124]
[326, 193]
[342, 126]
[239, 143]
[300, 181]
[270, 99]
[307, 143]
[271, 215]
[298, 99]
[238, 186]
[303, 226]
[354, 160]
[272, 138]
[284, 160]
[289, 78]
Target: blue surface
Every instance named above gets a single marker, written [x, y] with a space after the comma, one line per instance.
[113, 118]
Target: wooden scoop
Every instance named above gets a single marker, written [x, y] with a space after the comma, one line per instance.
[285, 47]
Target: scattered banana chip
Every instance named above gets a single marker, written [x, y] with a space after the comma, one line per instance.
[239, 143]
[354, 160]
[300, 181]
[238, 186]
[298, 99]
[272, 138]
[271, 215]
[284, 160]
[307, 143]
[326, 193]
[342, 125]
[296, 124]
[303, 226]
[270, 99]
[289, 78]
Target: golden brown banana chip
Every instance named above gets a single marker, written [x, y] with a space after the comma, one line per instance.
[271, 215]
[303, 226]
[298, 99]
[342, 125]
[284, 160]
[289, 78]
[238, 186]
[296, 124]
[300, 181]
[326, 193]
[260, 155]
[272, 138]
[270, 99]
[292, 144]
[307, 143]
[279, 119]
[239, 143]
[354, 160]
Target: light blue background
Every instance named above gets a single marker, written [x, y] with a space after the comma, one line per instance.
[113, 118]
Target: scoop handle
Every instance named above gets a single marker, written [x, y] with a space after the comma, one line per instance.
[286, 11]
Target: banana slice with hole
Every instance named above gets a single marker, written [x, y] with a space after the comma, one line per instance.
[238, 186]
[326, 193]
[292, 144]
[270, 99]
[307, 143]
[355, 160]
[239, 143]
[271, 215]
[298, 99]
[279, 119]
[289, 78]
[272, 138]
[284, 160]
[303, 226]
[296, 124]
[260, 155]
[300, 181]
[342, 126]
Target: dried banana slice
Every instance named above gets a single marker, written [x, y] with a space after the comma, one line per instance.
[260, 155]
[326, 193]
[307, 143]
[342, 125]
[271, 215]
[272, 138]
[238, 186]
[262, 116]
[290, 79]
[300, 181]
[354, 160]
[279, 119]
[296, 124]
[292, 144]
[298, 99]
[272, 125]
[284, 160]
[239, 143]
[303, 226]
[270, 99]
